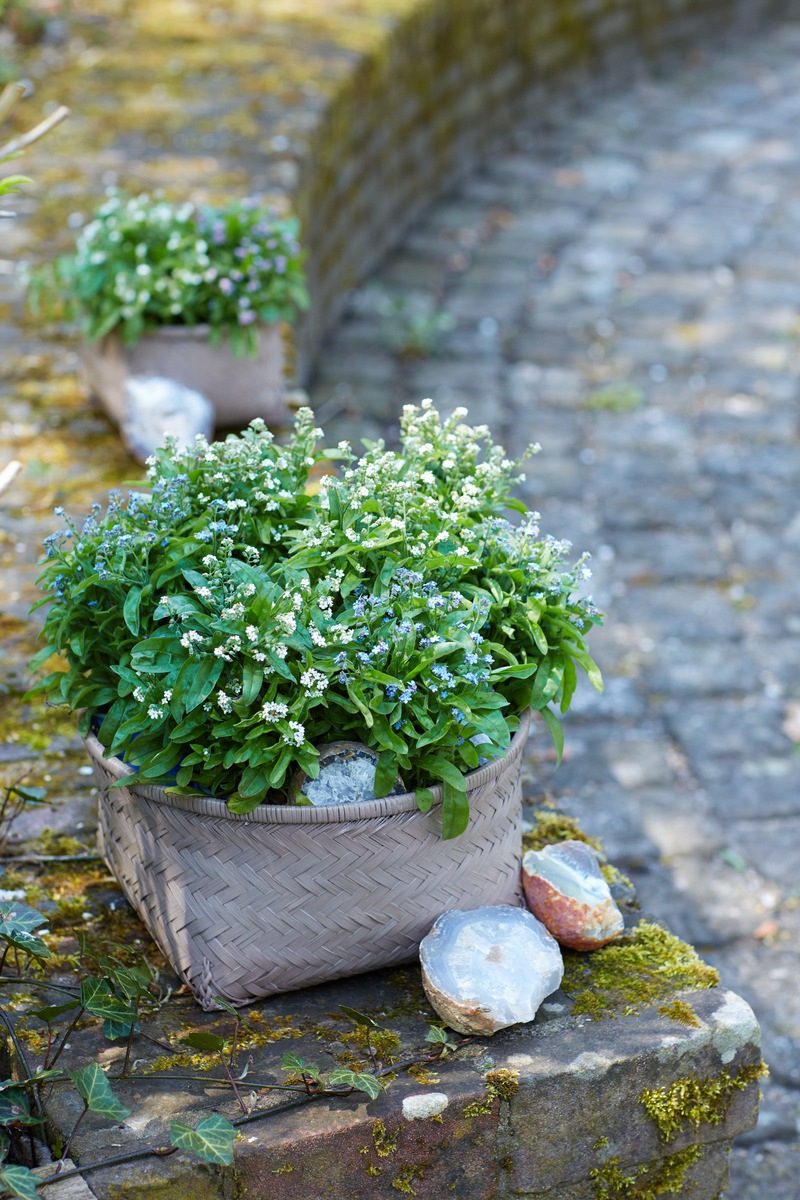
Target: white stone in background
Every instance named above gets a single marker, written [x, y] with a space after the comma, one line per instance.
[346, 775]
[488, 968]
[155, 406]
[424, 1106]
[565, 888]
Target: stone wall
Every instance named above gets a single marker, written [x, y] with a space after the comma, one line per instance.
[417, 111]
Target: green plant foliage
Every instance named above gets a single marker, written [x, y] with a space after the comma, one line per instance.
[16, 924]
[211, 1141]
[19, 1181]
[142, 263]
[360, 1081]
[222, 625]
[96, 1092]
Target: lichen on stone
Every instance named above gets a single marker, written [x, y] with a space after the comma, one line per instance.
[645, 965]
[694, 1102]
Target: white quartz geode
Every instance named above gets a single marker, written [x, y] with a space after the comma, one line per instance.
[565, 889]
[346, 776]
[488, 968]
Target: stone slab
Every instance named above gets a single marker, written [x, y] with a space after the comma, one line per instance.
[576, 1090]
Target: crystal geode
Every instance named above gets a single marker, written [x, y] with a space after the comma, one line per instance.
[488, 968]
[346, 775]
[565, 889]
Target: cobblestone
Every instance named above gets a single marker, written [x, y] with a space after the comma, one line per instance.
[652, 243]
[624, 287]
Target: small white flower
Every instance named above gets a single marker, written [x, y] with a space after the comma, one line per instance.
[314, 681]
[224, 701]
[252, 634]
[273, 710]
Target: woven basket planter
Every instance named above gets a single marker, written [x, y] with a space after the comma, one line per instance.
[246, 906]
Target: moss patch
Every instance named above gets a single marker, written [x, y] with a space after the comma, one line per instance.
[681, 1012]
[550, 827]
[695, 1102]
[501, 1084]
[644, 966]
[647, 1182]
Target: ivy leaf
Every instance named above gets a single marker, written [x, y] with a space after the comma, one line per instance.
[15, 1108]
[51, 1011]
[119, 1029]
[360, 1081]
[228, 1008]
[202, 1040]
[211, 1141]
[96, 1092]
[19, 916]
[19, 1181]
[27, 942]
[98, 999]
[359, 1017]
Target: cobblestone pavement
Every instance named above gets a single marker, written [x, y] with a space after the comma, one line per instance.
[627, 293]
[624, 289]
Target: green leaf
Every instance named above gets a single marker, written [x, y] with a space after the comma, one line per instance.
[130, 610]
[51, 1011]
[19, 916]
[424, 799]
[385, 774]
[291, 1062]
[361, 1081]
[203, 1040]
[228, 1008]
[15, 1108]
[455, 810]
[19, 1182]
[96, 1092]
[31, 795]
[212, 1140]
[98, 999]
[196, 680]
[359, 1017]
[119, 1029]
[556, 731]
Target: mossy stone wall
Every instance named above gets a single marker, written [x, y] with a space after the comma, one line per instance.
[448, 77]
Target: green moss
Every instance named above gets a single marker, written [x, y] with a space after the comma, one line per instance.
[403, 1182]
[51, 842]
[613, 875]
[550, 826]
[384, 1142]
[695, 1102]
[34, 723]
[680, 1011]
[384, 1043]
[645, 965]
[648, 1182]
[503, 1082]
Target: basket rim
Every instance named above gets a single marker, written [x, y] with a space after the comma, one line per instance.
[287, 814]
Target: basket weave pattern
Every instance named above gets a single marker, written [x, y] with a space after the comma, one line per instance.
[284, 897]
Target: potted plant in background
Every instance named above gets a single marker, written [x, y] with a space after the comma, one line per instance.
[190, 292]
[223, 625]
